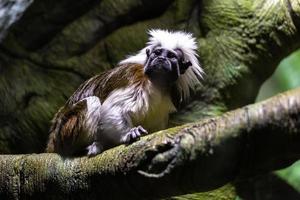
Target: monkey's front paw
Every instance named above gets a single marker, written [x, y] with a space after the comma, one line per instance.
[94, 149]
[134, 134]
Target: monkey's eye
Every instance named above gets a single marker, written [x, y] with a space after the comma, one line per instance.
[157, 52]
[171, 55]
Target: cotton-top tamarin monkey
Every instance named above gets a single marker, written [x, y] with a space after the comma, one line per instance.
[135, 98]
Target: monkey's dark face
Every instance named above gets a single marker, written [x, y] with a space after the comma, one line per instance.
[164, 66]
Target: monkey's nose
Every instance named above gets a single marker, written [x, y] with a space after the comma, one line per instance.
[162, 60]
[160, 57]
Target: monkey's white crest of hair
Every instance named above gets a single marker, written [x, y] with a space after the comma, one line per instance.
[174, 40]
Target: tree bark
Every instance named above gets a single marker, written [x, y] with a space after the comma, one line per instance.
[198, 156]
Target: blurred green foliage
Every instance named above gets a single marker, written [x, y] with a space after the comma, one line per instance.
[291, 175]
[286, 76]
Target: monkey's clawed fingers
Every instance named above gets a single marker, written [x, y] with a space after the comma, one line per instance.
[141, 130]
[134, 134]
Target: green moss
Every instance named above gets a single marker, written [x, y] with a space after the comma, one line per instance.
[130, 39]
[226, 192]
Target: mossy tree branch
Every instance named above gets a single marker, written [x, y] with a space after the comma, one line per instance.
[194, 157]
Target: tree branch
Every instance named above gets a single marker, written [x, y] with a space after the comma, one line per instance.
[194, 157]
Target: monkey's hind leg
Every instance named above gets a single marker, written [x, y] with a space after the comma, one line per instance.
[74, 127]
[131, 136]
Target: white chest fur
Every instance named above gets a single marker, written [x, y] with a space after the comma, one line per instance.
[156, 116]
[145, 105]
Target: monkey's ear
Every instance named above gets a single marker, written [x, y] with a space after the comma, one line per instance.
[184, 66]
[148, 52]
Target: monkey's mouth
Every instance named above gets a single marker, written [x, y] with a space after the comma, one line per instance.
[161, 65]
[160, 72]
